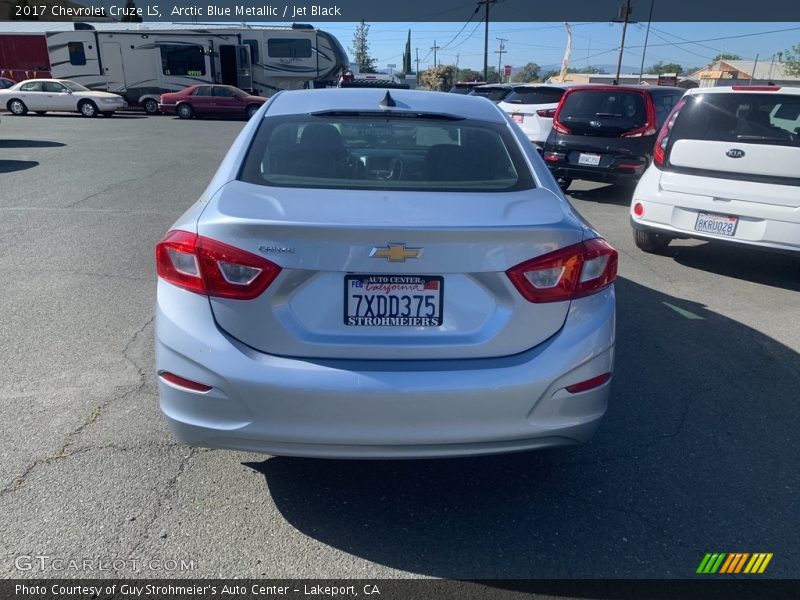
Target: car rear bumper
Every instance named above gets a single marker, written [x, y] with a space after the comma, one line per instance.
[598, 174]
[762, 225]
[380, 409]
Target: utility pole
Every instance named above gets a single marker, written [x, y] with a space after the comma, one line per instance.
[624, 15]
[500, 58]
[486, 3]
[434, 48]
[646, 37]
[417, 66]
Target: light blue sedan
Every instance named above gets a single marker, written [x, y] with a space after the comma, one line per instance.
[383, 274]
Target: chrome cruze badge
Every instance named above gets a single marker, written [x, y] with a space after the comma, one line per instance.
[735, 153]
[395, 252]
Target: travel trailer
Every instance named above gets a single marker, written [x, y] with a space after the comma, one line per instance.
[142, 61]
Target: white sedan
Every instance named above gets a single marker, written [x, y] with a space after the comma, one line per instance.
[62, 95]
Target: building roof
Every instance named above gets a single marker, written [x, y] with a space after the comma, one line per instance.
[765, 70]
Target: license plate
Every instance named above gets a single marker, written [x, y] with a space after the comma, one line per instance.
[393, 300]
[589, 159]
[716, 224]
[518, 118]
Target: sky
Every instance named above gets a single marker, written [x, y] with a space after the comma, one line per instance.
[593, 43]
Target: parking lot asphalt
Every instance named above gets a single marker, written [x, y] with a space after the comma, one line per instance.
[698, 452]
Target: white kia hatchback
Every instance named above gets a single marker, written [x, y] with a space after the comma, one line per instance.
[726, 167]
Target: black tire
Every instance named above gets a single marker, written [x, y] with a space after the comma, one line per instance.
[17, 107]
[185, 111]
[88, 109]
[150, 106]
[251, 110]
[41, 112]
[564, 183]
[650, 241]
[107, 113]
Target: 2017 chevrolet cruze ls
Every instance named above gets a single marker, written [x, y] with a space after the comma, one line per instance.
[376, 274]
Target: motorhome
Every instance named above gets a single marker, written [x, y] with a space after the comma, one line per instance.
[142, 61]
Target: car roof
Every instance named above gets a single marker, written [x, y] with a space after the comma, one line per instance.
[363, 99]
[746, 89]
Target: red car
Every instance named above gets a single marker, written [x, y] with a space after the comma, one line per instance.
[211, 101]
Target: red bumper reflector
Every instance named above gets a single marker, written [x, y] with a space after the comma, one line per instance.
[589, 384]
[638, 209]
[184, 383]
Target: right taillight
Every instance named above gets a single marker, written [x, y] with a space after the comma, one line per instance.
[205, 266]
[660, 150]
[567, 274]
[547, 113]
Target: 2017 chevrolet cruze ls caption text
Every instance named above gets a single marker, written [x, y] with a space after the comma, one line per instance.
[383, 274]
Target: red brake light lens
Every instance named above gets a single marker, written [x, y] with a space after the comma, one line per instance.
[547, 113]
[209, 267]
[756, 88]
[567, 274]
[660, 150]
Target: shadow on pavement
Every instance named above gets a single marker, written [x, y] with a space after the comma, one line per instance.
[30, 144]
[9, 166]
[748, 264]
[607, 194]
[696, 454]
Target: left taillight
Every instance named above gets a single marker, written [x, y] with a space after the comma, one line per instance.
[205, 266]
[567, 274]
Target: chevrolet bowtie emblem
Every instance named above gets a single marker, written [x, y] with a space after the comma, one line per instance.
[395, 252]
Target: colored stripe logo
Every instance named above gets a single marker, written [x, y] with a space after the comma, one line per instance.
[732, 563]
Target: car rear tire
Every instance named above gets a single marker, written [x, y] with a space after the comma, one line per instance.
[251, 110]
[17, 107]
[150, 106]
[650, 241]
[88, 108]
[185, 111]
[564, 183]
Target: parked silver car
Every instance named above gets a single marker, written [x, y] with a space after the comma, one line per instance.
[58, 95]
[383, 274]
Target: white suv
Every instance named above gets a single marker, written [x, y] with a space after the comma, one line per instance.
[532, 107]
[726, 166]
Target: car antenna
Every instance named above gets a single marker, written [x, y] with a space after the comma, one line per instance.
[388, 101]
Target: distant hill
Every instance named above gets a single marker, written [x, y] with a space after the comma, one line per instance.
[8, 10]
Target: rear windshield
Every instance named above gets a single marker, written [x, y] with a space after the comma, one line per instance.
[604, 113]
[752, 118]
[372, 151]
[535, 96]
[494, 94]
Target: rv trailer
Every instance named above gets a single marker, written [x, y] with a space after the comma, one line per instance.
[140, 62]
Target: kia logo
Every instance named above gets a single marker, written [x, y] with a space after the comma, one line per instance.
[735, 153]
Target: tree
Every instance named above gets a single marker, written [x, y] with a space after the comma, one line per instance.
[439, 79]
[407, 55]
[793, 61]
[360, 49]
[131, 16]
[726, 56]
[660, 68]
[468, 75]
[526, 74]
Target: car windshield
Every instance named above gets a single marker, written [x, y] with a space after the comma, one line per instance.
[75, 87]
[495, 94]
[603, 113]
[372, 151]
[751, 118]
[542, 95]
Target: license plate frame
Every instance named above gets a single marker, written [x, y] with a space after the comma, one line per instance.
[408, 311]
[727, 224]
[589, 159]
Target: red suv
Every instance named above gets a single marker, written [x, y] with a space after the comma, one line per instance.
[607, 132]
